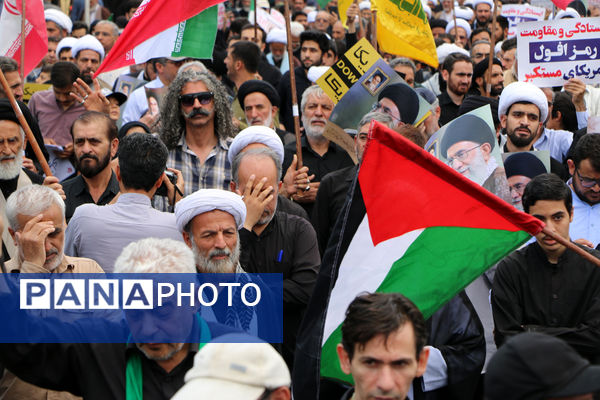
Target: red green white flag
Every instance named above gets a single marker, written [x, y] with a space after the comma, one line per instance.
[413, 226]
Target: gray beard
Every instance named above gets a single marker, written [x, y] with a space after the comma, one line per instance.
[206, 265]
[167, 356]
[11, 169]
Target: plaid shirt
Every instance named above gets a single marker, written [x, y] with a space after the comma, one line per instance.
[214, 173]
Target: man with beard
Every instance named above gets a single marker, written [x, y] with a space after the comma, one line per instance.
[313, 45]
[95, 143]
[197, 129]
[88, 54]
[274, 241]
[58, 24]
[12, 174]
[101, 232]
[318, 154]
[278, 57]
[10, 69]
[55, 109]
[584, 167]
[522, 109]
[483, 13]
[457, 71]
[521, 168]
[482, 76]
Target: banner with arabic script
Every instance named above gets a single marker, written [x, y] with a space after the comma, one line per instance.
[518, 13]
[552, 52]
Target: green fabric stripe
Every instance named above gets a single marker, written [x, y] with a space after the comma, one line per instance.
[436, 266]
[196, 36]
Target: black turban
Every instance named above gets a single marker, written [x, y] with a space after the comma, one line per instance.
[405, 98]
[466, 128]
[7, 113]
[263, 87]
[525, 164]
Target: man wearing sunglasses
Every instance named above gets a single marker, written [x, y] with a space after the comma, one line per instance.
[584, 167]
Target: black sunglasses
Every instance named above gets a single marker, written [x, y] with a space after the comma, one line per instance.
[189, 99]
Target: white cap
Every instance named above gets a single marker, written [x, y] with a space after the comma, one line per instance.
[311, 17]
[567, 13]
[87, 42]
[526, 92]
[364, 5]
[255, 134]
[314, 73]
[65, 43]
[446, 49]
[488, 2]
[59, 18]
[262, 4]
[498, 48]
[426, 9]
[277, 35]
[234, 371]
[461, 24]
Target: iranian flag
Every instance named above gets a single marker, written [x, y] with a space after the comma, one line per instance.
[36, 40]
[165, 28]
[412, 225]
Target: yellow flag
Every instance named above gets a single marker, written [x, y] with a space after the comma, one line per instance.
[403, 29]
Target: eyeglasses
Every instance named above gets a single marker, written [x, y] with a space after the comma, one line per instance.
[587, 183]
[386, 110]
[189, 99]
[461, 155]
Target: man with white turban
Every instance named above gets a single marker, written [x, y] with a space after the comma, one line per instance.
[461, 31]
[58, 24]
[88, 54]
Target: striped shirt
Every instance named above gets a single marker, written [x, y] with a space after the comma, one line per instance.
[214, 173]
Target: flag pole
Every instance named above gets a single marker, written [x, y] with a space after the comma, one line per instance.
[256, 23]
[295, 111]
[28, 133]
[374, 28]
[571, 246]
[86, 12]
[455, 27]
[23, 18]
[488, 86]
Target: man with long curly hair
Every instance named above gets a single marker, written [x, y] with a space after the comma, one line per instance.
[197, 129]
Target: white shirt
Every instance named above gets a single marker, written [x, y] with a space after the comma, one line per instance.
[586, 220]
[556, 142]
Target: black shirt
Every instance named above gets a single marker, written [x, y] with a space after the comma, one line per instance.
[529, 294]
[335, 158]
[449, 110]
[285, 94]
[77, 193]
[288, 245]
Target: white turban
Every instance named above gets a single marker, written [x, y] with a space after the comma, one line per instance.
[364, 5]
[315, 73]
[523, 91]
[464, 13]
[205, 200]
[445, 49]
[567, 13]
[87, 42]
[277, 35]
[488, 2]
[461, 24]
[65, 43]
[59, 18]
[311, 17]
[255, 134]
[426, 9]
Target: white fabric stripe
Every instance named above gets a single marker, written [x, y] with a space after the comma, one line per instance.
[363, 268]
[160, 45]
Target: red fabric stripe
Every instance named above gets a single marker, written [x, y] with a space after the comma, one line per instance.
[150, 20]
[406, 188]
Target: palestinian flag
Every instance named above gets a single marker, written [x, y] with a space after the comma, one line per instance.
[165, 28]
[412, 225]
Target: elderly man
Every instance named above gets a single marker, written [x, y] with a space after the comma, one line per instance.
[406, 68]
[197, 129]
[88, 54]
[153, 370]
[36, 217]
[101, 232]
[546, 287]
[260, 102]
[107, 32]
[273, 241]
[12, 174]
[278, 57]
[319, 154]
[521, 168]
[58, 24]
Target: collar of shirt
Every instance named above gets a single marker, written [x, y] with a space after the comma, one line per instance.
[306, 145]
[134, 198]
[222, 143]
[577, 201]
[80, 187]
[28, 267]
[445, 98]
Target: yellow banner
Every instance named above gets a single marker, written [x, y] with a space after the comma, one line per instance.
[31, 88]
[348, 69]
[403, 30]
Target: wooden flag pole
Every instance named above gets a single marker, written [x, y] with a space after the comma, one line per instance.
[256, 23]
[295, 110]
[571, 246]
[455, 27]
[488, 86]
[23, 19]
[374, 28]
[25, 126]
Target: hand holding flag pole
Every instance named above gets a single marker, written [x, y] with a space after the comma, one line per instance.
[25, 126]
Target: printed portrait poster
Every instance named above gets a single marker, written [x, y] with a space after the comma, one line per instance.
[468, 144]
[552, 52]
[155, 98]
[521, 167]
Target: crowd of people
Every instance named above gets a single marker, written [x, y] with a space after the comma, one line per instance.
[205, 178]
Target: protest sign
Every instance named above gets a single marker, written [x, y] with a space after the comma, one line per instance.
[518, 13]
[552, 52]
[30, 88]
